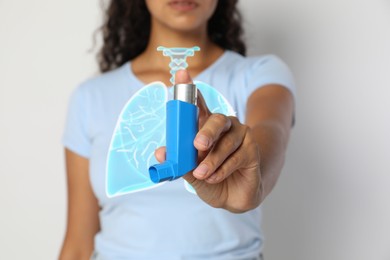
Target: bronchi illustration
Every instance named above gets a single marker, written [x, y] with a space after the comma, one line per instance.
[141, 128]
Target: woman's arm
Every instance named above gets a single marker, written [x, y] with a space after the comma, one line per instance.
[270, 117]
[83, 209]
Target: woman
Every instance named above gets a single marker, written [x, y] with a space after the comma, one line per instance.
[240, 158]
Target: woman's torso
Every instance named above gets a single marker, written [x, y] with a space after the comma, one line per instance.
[167, 222]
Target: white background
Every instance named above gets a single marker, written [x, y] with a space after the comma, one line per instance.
[333, 198]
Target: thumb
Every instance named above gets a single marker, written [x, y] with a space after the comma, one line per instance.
[160, 154]
[183, 77]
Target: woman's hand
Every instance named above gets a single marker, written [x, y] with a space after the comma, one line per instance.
[228, 175]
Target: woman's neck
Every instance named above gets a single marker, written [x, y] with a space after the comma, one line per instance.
[151, 62]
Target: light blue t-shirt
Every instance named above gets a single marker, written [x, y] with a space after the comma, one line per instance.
[166, 222]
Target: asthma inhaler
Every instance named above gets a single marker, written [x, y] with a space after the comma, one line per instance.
[181, 128]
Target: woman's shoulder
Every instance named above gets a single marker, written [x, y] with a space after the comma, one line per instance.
[237, 65]
[233, 62]
[105, 79]
[237, 60]
[256, 71]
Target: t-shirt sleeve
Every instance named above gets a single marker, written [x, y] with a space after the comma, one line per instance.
[269, 70]
[75, 136]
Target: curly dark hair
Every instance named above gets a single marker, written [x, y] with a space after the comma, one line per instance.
[126, 31]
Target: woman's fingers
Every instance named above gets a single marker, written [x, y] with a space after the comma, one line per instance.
[212, 130]
[160, 154]
[246, 157]
[225, 145]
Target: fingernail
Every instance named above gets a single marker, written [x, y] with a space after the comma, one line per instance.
[203, 140]
[201, 170]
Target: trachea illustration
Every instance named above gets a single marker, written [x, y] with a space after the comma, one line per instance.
[181, 123]
[178, 58]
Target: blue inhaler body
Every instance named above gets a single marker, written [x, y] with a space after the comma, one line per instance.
[181, 128]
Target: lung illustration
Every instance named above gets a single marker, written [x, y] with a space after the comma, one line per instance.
[140, 129]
